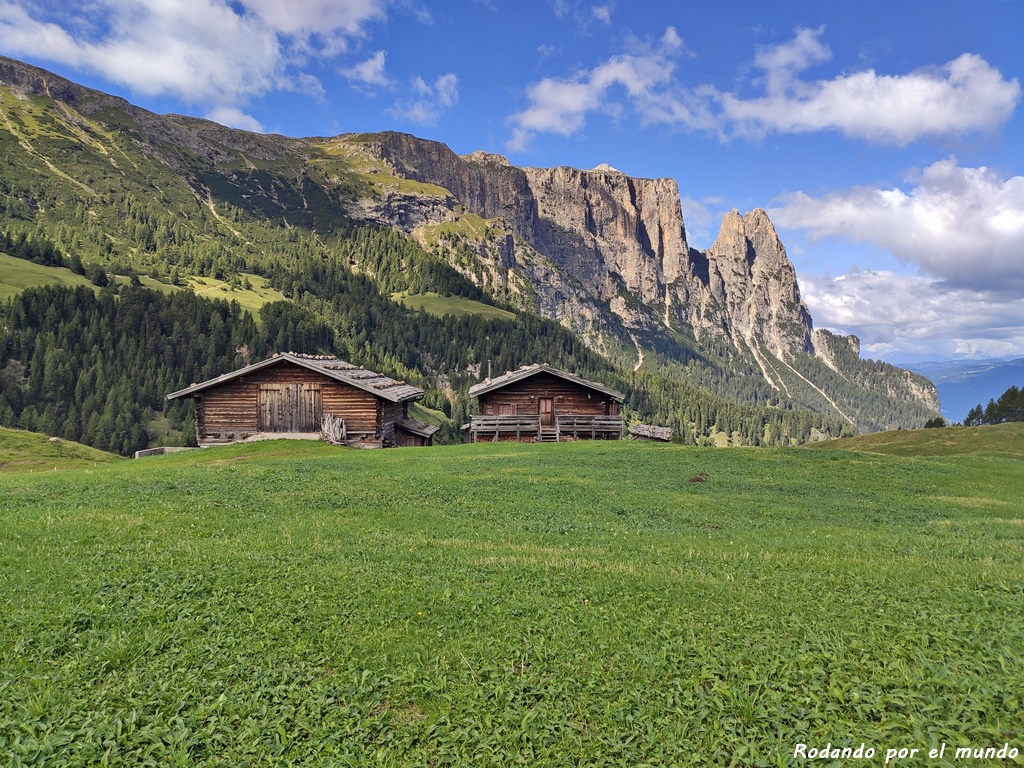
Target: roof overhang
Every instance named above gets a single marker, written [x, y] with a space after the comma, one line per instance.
[526, 372]
[416, 427]
[403, 392]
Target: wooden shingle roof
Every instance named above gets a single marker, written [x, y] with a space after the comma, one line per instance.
[332, 367]
[489, 385]
[416, 427]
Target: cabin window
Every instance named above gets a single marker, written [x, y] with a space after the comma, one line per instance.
[613, 408]
[507, 409]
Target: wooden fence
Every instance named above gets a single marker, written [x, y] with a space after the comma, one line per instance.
[495, 426]
[588, 427]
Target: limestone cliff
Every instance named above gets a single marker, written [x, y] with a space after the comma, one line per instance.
[621, 238]
[609, 230]
[606, 254]
[751, 277]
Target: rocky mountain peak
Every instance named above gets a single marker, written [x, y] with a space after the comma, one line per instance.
[486, 158]
[731, 242]
[753, 279]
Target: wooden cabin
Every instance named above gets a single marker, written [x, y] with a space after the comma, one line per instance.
[539, 403]
[306, 397]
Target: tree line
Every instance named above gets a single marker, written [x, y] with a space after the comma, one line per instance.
[95, 367]
[1009, 406]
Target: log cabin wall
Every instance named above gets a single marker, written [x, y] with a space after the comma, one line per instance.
[232, 411]
[522, 398]
[389, 414]
[405, 439]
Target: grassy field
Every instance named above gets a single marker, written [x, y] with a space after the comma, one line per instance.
[18, 274]
[436, 304]
[577, 604]
[249, 298]
[1005, 440]
[22, 451]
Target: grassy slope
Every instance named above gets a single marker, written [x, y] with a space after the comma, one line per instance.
[999, 440]
[18, 274]
[22, 451]
[439, 305]
[550, 604]
[249, 298]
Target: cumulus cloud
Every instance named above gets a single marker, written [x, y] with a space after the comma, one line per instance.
[325, 25]
[961, 225]
[235, 118]
[561, 105]
[963, 96]
[201, 51]
[368, 75]
[429, 101]
[912, 314]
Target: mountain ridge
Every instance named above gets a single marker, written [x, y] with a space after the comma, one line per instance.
[624, 240]
[600, 252]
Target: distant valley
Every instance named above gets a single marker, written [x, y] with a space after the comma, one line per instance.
[963, 384]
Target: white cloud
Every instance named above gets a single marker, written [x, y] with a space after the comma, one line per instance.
[446, 88]
[916, 315]
[562, 105]
[963, 225]
[331, 23]
[430, 101]
[603, 13]
[235, 118]
[209, 52]
[368, 75]
[963, 96]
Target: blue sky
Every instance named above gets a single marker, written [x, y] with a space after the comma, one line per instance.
[885, 139]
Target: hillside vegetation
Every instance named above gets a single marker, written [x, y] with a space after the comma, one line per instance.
[1006, 440]
[96, 191]
[22, 451]
[576, 604]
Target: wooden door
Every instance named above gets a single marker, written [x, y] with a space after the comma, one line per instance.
[546, 406]
[270, 407]
[308, 407]
[290, 407]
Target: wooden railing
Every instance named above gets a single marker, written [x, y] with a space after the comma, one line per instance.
[586, 426]
[578, 426]
[494, 426]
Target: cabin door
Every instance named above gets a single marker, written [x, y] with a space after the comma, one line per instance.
[546, 406]
[290, 407]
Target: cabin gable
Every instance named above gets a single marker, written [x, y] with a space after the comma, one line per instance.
[541, 404]
[528, 396]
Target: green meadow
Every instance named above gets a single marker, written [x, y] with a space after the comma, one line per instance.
[436, 304]
[627, 604]
[18, 274]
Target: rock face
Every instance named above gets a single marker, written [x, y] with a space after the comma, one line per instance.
[624, 241]
[605, 229]
[600, 248]
[606, 255]
[753, 279]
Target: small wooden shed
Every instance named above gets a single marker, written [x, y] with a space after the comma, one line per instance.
[538, 403]
[306, 397]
